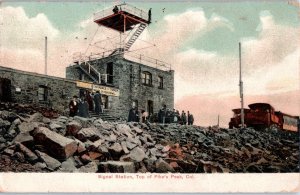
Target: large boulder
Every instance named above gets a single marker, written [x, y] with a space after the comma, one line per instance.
[27, 127]
[91, 167]
[116, 167]
[36, 117]
[51, 163]
[92, 134]
[58, 145]
[85, 122]
[73, 128]
[68, 166]
[25, 139]
[29, 155]
[136, 155]
[163, 167]
[55, 125]
[124, 129]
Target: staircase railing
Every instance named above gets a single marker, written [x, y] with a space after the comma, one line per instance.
[135, 36]
[122, 7]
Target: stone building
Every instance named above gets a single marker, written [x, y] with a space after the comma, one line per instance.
[136, 84]
[123, 83]
[36, 89]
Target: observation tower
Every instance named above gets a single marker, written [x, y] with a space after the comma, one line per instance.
[124, 18]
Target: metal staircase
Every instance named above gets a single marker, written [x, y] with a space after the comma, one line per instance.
[132, 39]
[135, 36]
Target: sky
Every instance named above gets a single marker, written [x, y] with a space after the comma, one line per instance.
[199, 38]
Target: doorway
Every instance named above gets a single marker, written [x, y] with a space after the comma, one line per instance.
[5, 90]
[105, 103]
[150, 107]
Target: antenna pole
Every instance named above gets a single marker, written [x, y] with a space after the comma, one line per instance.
[241, 89]
[46, 54]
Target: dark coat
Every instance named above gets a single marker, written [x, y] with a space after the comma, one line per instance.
[98, 103]
[131, 115]
[190, 119]
[89, 99]
[183, 118]
[83, 109]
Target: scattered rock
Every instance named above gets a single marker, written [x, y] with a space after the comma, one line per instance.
[73, 128]
[137, 154]
[163, 167]
[68, 165]
[116, 167]
[55, 126]
[27, 127]
[91, 134]
[36, 117]
[91, 167]
[58, 145]
[25, 139]
[30, 156]
[51, 163]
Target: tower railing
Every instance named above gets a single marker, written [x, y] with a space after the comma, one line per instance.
[135, 57]
[123, 7]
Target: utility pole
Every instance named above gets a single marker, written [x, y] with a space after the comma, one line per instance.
[241, 88]
[46, 53]
[218, 120]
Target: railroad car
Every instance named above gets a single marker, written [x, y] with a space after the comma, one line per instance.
[263, 115]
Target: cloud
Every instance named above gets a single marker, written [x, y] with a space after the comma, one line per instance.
[20, 31]
[274, 43]
[270, 64]
[23, 39]
[176, 30]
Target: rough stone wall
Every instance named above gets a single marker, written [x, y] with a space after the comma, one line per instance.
[127, 78]
[133, 88]
[60, 90]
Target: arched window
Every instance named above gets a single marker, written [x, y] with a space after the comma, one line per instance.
[147, 78]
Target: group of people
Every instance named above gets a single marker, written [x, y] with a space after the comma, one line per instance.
[136, 116]
[87, 102]
[165, 115]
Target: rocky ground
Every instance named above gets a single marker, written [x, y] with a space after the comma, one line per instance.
[35, 142]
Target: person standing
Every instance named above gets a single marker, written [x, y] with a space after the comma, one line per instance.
[115, 10]
[73, 106]
[83, 108]
[149, 15]
[131, 115]
[98, 102]
[89, 100]
[183, 117]
[190, 118]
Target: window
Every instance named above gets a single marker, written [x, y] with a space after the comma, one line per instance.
[147, 78]
[160, 82]
[42, 93]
